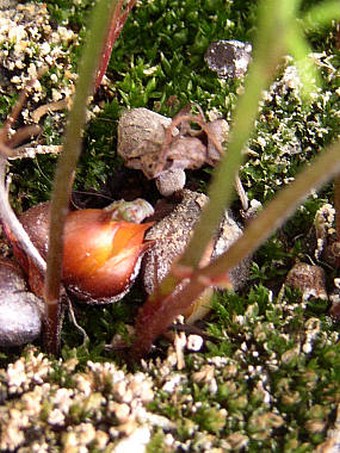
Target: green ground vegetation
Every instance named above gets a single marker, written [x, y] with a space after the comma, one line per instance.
[265, 379]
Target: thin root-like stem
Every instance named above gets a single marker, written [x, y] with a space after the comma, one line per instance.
[14, 227]
[102, 16]
[120, 16]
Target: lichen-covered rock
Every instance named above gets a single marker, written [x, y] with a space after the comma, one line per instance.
[173, 232]
[230, 59]
[308, 279]
[171, 236]
[141, 133]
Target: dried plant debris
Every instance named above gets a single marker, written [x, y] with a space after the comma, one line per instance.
[34, 50]
[163, 148]
[230, 59]
[20, 310]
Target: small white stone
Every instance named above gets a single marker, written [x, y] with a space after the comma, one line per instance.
[45, 48]
[194, 342]
[170, 385]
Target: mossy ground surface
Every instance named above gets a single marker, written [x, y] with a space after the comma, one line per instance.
[265, 379]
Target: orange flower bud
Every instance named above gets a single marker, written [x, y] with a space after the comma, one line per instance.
[101, 256]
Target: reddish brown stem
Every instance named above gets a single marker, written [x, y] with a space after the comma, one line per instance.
[118, 21]
[24, 134]
[189, 118]
[162, 308]
[52, 328]
[13, 116]
[5, 145]
[156, 314]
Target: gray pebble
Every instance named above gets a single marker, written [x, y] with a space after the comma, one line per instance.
[171, 236]
[20, 310]
[230, 59]
[170, 181]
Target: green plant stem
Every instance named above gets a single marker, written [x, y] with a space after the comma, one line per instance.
[325, 167]
[221, 189]
[101, 19]
[157, 314]
[322, 14]
[269, 49]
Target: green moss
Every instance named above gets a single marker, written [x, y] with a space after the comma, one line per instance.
[156, 443]
[153, 66]
[70, 12]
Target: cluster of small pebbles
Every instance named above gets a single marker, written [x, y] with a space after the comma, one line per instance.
[145, 143]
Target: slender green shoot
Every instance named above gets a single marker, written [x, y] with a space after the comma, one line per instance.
[156, 315]
[278, 35]
[101, 19]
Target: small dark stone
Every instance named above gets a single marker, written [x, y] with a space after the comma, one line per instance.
[229, 59]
